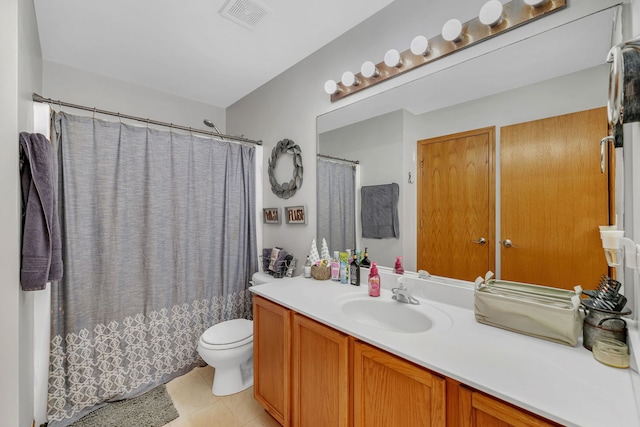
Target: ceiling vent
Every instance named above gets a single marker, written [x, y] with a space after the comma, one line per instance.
[247, 13]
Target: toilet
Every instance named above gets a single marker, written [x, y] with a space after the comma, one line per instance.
[228, 348]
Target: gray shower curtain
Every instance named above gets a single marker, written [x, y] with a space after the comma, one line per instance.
[336, 192]
[159, 243]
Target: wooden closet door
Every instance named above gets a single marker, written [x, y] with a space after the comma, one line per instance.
[456, 204]
[553, 198]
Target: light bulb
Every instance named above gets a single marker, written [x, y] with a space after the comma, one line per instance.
[392, 58]
[491, 13]
[331, 87]
[419, 45]
[369, 69]
[452, 30]
[349, 79]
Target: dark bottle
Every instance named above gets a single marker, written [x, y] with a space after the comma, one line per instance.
[365, 259]
[354, 271]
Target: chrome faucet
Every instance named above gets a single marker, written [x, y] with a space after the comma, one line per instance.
[401, 293]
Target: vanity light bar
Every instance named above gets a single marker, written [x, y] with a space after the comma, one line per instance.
[492, 22]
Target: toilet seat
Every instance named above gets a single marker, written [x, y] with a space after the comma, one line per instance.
[228, 334]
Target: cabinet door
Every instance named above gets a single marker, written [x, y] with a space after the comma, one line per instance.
[389, 391]
[480, 410]
[271, 358]
[320, 375]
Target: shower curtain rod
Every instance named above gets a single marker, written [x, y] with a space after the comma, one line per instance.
[324, 156]
[38, 98]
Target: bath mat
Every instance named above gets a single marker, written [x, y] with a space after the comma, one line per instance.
[152, 409]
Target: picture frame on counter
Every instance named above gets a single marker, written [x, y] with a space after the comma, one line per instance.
[271, 215]
[295, 214]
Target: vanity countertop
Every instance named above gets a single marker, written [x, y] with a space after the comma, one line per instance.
[562, 383]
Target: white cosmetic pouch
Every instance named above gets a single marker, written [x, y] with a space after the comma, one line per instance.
[539, 311]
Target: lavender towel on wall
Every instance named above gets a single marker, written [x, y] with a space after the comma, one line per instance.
[379, 211]
[41, 244]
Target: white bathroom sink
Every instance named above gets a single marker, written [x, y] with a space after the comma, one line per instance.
[387, 314]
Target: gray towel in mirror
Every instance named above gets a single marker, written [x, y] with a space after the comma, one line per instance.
[379, 211]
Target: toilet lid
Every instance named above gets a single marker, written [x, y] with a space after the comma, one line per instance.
[228, 332]
[260, 278]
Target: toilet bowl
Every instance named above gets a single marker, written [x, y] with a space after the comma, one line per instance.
[228, 348]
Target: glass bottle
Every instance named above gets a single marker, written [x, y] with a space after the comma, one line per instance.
[307, 267]
[344, 273]
[354, 271]
[365, 259]
[335, 267]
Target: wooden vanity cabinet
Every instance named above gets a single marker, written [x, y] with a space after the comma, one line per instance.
[308, 374]
[301, 368]
[320, 375]
[272, 358]
[389, 391]
[480, 410]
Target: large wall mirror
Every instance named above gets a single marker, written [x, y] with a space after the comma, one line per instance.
[554, 73]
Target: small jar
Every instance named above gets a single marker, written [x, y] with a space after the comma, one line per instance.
[611, 352]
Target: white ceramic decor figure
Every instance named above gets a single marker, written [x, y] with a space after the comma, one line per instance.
[324, 254]
[313, 252]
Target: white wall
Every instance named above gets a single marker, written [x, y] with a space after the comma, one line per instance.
[20, 75]
[632, 206]
[29, 80]
[286, 107]
[9, 216]
[93, 90]
[632, 164]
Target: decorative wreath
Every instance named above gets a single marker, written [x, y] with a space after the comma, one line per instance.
[287, 189]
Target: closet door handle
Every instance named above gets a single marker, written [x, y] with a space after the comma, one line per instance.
[508, 244]
[480, 241]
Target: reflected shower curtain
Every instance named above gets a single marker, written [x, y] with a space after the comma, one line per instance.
[159, 243]
[336, 195]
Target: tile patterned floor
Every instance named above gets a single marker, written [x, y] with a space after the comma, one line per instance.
[198, 407]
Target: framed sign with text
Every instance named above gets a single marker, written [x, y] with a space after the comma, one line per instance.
[295, 215]
[271, 216]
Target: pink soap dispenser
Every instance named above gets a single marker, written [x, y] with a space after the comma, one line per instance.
[398, 269]
[374, 280]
